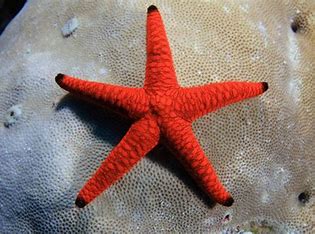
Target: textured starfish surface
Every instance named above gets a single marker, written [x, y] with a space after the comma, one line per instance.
[160, 110]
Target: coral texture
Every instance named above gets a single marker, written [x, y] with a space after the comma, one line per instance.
[262, 149]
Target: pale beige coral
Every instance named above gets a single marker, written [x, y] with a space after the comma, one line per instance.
[263, 148]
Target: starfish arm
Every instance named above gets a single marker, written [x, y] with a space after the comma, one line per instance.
[188, 151]
[130, 101]
[198, 101]
[160, 72]
[142, 136]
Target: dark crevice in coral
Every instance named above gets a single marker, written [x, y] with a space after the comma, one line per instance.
[9, 9]
[294, 26]
[304, 197]
[227, 218]
[299, 23]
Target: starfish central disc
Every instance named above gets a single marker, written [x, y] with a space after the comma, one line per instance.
[160, 108]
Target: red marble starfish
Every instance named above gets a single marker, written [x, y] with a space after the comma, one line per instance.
[160, 109]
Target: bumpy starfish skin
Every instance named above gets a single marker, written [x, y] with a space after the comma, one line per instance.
[160, 108]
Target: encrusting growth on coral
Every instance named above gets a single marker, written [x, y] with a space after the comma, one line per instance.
[161, 109]
[70, 26]
[13, 114]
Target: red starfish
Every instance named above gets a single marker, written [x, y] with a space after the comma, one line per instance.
[160, 109]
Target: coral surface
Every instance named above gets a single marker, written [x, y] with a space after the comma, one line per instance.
[262, 149]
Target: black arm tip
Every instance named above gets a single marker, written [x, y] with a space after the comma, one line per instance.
[152, 8]
[79, 202]
[59, 78]
[229, 202]
[265, 86]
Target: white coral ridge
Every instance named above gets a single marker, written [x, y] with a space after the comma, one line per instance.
[262, 148]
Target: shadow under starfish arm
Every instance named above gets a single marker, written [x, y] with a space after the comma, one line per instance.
[142, 136]
[197, 101]
[126, 101]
